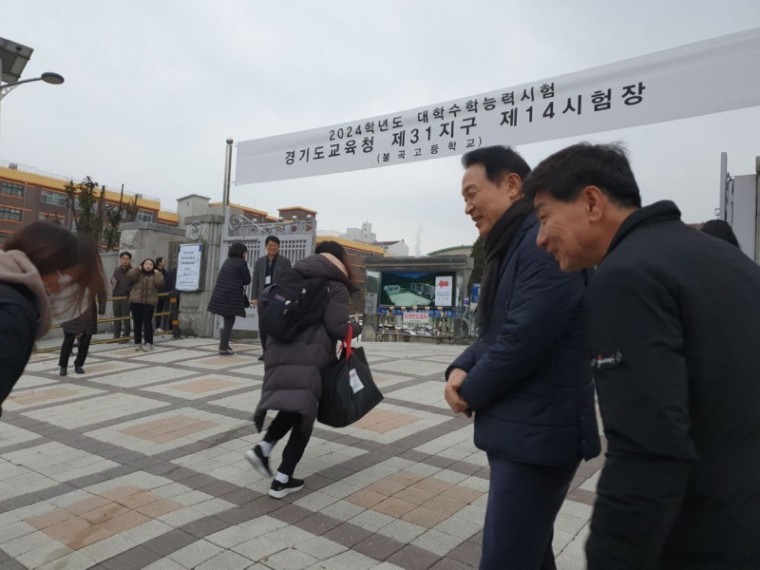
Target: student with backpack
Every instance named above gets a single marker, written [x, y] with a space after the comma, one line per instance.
[293, 367]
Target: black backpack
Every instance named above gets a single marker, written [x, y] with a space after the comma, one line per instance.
[290, 306]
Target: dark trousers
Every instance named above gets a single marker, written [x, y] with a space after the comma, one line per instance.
[523, 501]
[226, 332]
[297, 441]
[263, 338]
[68, 344]
[121, 309]
[162, 320]
[142, 315]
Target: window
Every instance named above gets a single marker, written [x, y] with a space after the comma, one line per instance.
[12, 214]
[51, 217]
[11, 189]
[53, 198]
[144, 216]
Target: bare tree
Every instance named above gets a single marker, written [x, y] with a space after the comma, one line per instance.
[93, 217]
[87, 205]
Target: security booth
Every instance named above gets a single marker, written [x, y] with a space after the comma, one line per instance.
[417, 297]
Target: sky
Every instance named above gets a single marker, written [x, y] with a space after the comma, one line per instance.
[154, 88]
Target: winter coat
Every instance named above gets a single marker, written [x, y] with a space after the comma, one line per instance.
[145, 286]
[24, 316]
[227, 297]
[123, 283]
[281, 265]
[293, 371]
[528, 379]
[165, 287]
[674, 317]
[87, 322]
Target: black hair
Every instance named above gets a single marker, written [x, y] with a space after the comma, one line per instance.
[142, 264]
[720, 229]
[275, 239]
[123, 253]
[498, 161]
[334, 248]
[159, 259]
[565, 173]
[237, 249]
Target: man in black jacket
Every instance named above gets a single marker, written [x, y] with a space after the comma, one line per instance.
[526, 378]
[267, 270]
[674, 318]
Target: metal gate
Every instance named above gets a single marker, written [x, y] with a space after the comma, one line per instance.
[297, 238]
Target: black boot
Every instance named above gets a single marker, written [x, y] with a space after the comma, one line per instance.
[63, 371]
[79, 370]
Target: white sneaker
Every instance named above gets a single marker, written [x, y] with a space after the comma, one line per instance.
[148, 347]
[159, 330]
[140, 347]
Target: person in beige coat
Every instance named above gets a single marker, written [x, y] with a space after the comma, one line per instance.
[143, 298]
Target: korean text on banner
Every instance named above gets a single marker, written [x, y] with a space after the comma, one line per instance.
[711, 76]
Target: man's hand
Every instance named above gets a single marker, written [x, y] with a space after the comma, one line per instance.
[254, 302]
[451, 392]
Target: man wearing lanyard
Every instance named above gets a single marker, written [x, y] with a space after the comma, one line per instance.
[267, 270]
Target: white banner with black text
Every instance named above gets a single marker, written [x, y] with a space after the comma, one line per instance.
[711, 76]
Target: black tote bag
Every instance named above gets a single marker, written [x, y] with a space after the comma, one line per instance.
[348, 390]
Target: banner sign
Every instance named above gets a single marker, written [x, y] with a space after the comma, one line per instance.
[189, 267]
[711, 76]
[443, 290]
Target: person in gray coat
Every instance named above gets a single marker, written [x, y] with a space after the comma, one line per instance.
[227, 299]
[293, 371]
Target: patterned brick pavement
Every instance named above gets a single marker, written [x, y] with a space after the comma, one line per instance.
[139, 464]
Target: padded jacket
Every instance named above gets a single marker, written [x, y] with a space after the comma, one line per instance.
[528, 376]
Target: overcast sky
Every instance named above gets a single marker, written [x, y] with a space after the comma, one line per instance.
[155, 87]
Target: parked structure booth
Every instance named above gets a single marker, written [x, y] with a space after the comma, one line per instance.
[421, 297]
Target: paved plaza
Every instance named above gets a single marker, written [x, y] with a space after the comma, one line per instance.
[139, 463]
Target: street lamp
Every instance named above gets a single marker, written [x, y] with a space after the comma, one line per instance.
[47, 77]
[13, 59]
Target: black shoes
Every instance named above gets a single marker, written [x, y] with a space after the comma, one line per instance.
[79, 370]
[63, 371]
[259, 462]
[279, 490]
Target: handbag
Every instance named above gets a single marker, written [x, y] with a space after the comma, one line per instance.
[348, 390]
[246, 302]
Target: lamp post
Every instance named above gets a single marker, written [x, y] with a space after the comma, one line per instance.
[15, 56]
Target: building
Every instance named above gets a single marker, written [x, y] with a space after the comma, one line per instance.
[26, 197]
[453, 250]
[394, 248]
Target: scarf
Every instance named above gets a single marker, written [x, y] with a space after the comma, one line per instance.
[497, 244]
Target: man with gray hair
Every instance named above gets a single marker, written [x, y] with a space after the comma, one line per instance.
[674, 319]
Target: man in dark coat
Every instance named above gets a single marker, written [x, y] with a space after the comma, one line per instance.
[674, 319]
[120, 287]
[267, 270]
[526, 378]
